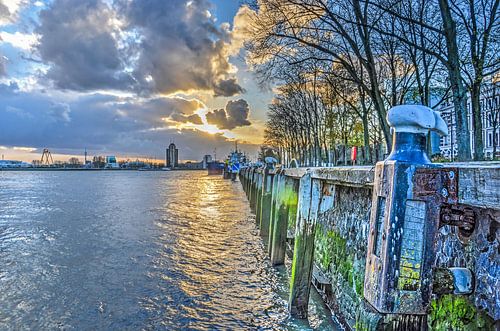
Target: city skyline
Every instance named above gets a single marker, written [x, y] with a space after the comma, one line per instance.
[127, 79]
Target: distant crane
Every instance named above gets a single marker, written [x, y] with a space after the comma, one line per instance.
[46, 158]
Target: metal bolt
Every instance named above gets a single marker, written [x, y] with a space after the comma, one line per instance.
[451, 174]
[444, 192]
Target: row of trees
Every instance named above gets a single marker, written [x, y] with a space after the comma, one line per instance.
[340, 65]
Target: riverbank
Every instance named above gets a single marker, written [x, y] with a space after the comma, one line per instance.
[92, 169]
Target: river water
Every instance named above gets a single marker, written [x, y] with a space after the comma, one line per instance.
[136, 250]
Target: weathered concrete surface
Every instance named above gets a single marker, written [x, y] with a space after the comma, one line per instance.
[341, 247]
[479, 186]
[339, 236]
[480, 253]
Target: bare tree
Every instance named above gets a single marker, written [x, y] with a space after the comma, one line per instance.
[479, 26]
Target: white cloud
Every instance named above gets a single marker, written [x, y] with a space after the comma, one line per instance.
[9, 10]
[19, 40]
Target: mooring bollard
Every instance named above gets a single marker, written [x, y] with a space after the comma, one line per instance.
[407, 195]
[303, 253]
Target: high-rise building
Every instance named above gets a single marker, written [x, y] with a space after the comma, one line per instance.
[171, 156]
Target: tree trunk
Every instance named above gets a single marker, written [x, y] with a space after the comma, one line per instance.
[457, 86]
[366, 138]
[477, 123]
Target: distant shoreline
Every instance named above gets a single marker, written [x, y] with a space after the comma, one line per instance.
[93, 169]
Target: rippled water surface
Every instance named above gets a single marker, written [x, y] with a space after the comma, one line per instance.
[136, 250]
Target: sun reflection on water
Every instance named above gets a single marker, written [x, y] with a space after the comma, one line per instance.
[131, 250]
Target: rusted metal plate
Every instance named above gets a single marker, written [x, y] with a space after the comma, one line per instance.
[440, 183]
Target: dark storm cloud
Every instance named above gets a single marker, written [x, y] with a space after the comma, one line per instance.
[77, 41]
[154, 111]
[60, 112]
[182, 48]
[102, 124]
[227, 87]
[153, 46]
[235, 115]
[194, 118]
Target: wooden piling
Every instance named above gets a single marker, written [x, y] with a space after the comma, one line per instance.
[258, 196]
[303, 254]
[275, 201]
[279, 219]
[265, 212]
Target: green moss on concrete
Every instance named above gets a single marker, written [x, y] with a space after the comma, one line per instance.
[333, 256]
[291, 199]
[451, 312]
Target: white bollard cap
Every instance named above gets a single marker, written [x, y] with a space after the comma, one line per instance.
[416, 119]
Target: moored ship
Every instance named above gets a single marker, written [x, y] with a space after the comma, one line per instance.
[233, 164]
[215, 168]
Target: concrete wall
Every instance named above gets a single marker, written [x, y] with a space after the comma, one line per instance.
[325, 213]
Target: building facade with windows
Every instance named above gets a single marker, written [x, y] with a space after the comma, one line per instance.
[490, 117]
[172, 156]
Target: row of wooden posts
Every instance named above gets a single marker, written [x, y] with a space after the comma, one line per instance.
[275, 199]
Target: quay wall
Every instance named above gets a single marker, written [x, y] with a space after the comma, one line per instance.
[322, 216]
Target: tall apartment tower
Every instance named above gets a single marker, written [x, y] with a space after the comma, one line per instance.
[171, 156]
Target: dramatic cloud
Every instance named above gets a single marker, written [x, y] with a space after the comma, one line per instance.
[155, 111]
[151, 46]
[235, 115]
[195, 118]
[102, 124]
[181, 47]
[77, 41]
[227, 87]
[120, 76]
[60, 112]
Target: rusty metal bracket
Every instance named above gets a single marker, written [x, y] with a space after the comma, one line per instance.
[460, 216]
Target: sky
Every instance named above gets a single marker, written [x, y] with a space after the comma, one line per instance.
[126, 78]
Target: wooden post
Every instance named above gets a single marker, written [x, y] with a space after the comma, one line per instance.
[265, 210]
[249, 185]
[284, 193]
[303, 253]
[275, 202]
[258, 196]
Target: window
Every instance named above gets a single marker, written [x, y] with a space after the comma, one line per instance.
[490, 139]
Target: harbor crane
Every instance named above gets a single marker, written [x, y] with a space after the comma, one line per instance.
[46, 159]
